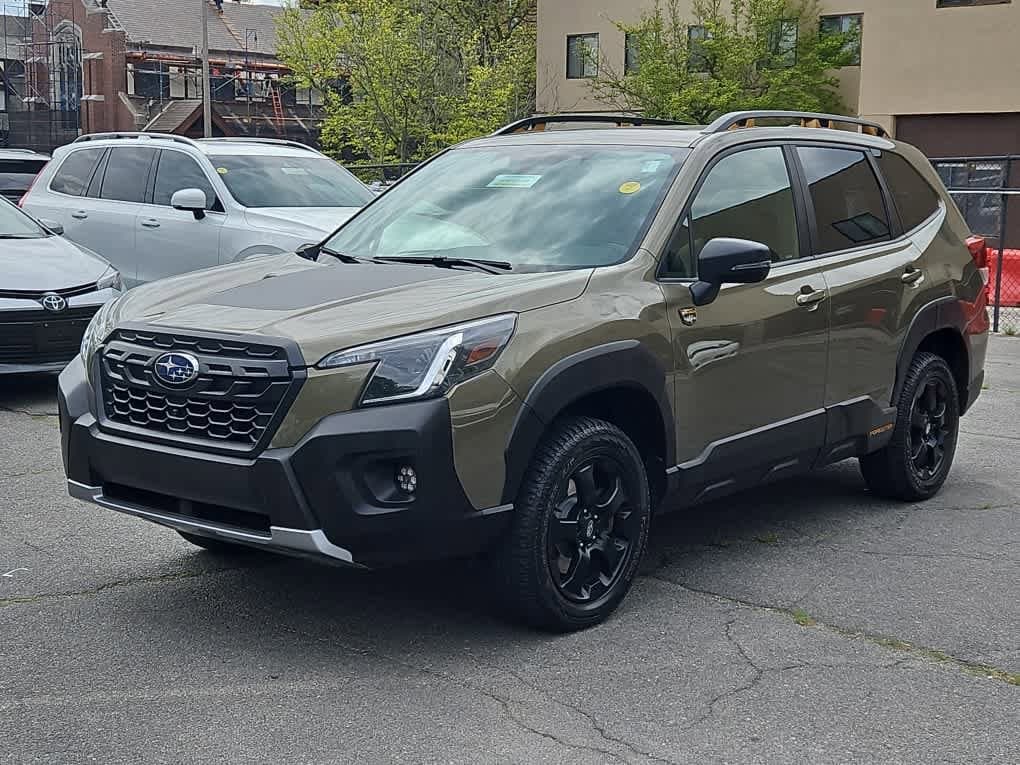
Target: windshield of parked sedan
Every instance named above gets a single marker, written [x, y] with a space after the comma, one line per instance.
[536, 207]
[287, 181]
[14, 224]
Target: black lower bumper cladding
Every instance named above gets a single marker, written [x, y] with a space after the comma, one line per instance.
[333, 496]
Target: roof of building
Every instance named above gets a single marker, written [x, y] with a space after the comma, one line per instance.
[162, 24]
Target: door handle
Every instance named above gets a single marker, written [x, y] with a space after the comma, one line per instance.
[79, 215]
[912, 276]
[811, 298]
[150, 223]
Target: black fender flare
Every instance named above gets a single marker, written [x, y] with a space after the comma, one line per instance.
[944, 313]
[621, 364]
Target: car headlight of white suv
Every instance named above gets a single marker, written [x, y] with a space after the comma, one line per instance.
[427, 364]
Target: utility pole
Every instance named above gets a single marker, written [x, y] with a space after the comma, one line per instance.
[206, 96]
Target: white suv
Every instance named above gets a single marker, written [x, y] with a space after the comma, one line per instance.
[156, 205]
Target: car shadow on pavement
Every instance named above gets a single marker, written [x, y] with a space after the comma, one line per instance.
[457, 599]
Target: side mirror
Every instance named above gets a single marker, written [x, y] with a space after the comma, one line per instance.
[52, 226]
[189, 199]
[729, 261]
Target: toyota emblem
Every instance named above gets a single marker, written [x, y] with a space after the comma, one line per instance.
[53, 302]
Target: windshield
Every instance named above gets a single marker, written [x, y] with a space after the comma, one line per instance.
[14, 224]
[16, 175]
[539, 208]
[287, 181]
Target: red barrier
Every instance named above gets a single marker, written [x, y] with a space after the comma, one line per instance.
[1010, 292]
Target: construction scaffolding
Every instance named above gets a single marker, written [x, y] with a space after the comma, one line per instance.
[40, 73]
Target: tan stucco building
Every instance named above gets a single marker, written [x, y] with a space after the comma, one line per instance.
[944, 74]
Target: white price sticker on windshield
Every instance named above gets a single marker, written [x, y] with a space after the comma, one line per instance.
[514, 181]
[293, 171]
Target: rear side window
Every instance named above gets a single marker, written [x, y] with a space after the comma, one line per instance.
[915, 199]
[178, 171]
[17, 174]
[127, 172]
[74, 173]
[848, 202]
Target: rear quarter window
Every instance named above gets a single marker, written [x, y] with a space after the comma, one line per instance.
[75, 171]
[915, 199]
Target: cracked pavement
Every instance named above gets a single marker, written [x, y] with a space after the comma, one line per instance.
[807, 622]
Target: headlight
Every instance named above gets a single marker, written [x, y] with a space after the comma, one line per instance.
[95, 333]
[429, 363]
[110, 279]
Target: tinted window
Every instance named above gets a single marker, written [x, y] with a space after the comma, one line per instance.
[16, 174]
[179, 171]
[127, 172]
[915, 199]
[849, 208]
[73, 175]
[747, 195]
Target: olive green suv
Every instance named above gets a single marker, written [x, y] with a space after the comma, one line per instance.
[537, 341]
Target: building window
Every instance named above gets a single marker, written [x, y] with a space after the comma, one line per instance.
[697, 56]
[631, 53]
[783, 42]
[958, 3]
[582, 56]
[848, 24]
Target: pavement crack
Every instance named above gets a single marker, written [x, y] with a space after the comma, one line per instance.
[117, 584]
[24, 473]
[592, 720]
[925, 653]
[505, 702]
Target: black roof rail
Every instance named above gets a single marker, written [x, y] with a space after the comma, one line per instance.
[539, 122]
[736, 120]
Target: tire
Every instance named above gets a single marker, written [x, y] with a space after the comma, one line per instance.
[580, 527]
[915, 463]
[217, 546]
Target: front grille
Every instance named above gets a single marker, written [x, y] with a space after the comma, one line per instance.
[42, 337]
[232, 404]
[66, 292]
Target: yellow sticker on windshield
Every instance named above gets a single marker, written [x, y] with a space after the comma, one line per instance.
[630, 187]
[222, 170]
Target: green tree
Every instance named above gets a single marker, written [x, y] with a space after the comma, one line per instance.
[762, 54]
[417, 74]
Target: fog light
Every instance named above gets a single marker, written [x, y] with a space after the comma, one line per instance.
[407, 479]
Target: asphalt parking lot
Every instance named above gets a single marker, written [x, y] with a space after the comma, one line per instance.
[806, 623]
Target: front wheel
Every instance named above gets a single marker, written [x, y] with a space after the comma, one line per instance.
[916, 462]
[580, 527]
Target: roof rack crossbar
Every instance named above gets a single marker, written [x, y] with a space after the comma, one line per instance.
[539, 122]
[736, 120]
[272, 141]
[134, 135]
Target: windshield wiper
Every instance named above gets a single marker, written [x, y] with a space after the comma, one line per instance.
[20, 236]
[442, 261]
[311, 252]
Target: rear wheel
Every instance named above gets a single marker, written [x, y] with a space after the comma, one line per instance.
[580, 527]
[217, 546]
[916, 462]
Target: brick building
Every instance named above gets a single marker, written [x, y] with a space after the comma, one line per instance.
[111, 65]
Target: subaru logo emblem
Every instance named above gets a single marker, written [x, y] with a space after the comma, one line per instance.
[176, 369]
[53, 302]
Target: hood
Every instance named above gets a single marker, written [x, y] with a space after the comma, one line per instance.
[325, 307]
[300, 220]
[49, 263]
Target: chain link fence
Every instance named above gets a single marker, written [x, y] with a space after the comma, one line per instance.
[985, 190]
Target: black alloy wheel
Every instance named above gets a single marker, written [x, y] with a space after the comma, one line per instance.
[579, 529]
[928, 428]
[916, 461]
[593, 530]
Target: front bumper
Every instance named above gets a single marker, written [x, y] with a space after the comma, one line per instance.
[331, 496]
